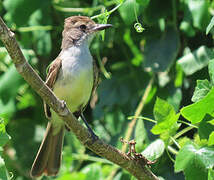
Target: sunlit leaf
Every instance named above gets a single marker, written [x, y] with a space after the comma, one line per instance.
[16, 12]
[154, 150]
[211, 139]
[201, 90]
[199, 12]
[128, 6]
[197, 111]
[194, 161]
[165, 116]
[3, 171]
[140, 135]
[211, 174]
[93, 171]
[196, 60]
[211, 70]
[210, 26]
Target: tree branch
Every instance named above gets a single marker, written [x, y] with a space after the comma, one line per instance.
[99, 147]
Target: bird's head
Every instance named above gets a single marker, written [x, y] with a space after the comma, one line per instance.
[78, 29]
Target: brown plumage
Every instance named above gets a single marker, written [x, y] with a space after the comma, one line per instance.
[67, 66]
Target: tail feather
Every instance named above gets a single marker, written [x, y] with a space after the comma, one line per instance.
[48, 158]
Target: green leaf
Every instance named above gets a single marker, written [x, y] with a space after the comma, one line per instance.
[197, 111]
[187, 28]
[179, 76]
[194, 161]
[165, 116]
[26, 100]
[143, 3]
[174, 97]
[93, 171]
[3, 171]
[154, 150]
[202, 89]
[41, 38]
[200, 13]
[7, 110]
[103, 20]
[210, 26]
[128, 6]
[210, 174]
[196, 60]
[211, 70]
[140, 135]
[157, 10]
[165, 136]
[137, 60]
[9, 79]
[73, 176]
[17, 11]
[161, 52]
[205, 127]
[211, 139]
[4, 138]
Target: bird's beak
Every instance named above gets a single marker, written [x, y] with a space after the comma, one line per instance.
[100, 27]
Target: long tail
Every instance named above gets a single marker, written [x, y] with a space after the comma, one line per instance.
[48, 158]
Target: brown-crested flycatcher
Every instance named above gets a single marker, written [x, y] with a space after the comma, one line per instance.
[72, 78]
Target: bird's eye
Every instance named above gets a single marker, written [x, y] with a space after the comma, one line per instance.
[83, 27]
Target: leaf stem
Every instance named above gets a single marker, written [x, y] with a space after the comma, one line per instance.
[174, 12]
[143, 118]
[188, 124]
[102, 67]
[35, 28]
[109, 12]
[137, 113]
[183, 131]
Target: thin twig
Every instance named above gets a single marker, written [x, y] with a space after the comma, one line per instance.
[133, 122]
[137, 113]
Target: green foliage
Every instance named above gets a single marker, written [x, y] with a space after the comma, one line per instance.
[195, 161]
[160, 52]
[176, 124]
[210, 26]
[154, 150]
[165, 116]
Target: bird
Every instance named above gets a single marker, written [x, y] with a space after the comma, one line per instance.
[72, 76]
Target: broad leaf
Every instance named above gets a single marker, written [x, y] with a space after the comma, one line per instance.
[154, 150]
[3, 171]
[211, 70]
[140, 135]
[161, 52]
[165, 116]
[205, 127]
[93, 171]
[202, 89]
[194, 161]
[199, 13]
[211, 139]
[210, 26]
[128, 6]
[196, 60]
[197, 111]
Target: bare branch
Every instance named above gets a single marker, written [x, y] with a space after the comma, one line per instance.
[99, 147]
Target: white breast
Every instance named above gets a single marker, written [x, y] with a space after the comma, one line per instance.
[75, 80]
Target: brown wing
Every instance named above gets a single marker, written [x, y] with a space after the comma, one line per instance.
[50, 80]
